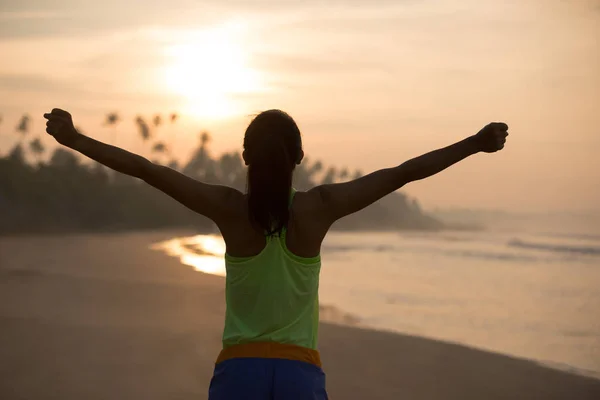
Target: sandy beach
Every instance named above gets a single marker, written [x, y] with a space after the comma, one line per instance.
[104, 317]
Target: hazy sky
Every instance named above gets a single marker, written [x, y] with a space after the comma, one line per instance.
[370, 83]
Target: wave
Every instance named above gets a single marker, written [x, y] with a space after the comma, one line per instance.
[578, 236]
[357, 247]
[452, 252]
[556, 248]
[561, 366]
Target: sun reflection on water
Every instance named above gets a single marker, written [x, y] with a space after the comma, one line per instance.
[203, 252]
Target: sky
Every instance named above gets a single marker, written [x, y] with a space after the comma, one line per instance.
[371, 84]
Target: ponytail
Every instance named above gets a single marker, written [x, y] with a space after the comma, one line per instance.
[272, 144]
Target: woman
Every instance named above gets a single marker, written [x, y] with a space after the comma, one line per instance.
[273, 237]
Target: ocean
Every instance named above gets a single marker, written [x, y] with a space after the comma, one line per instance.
[533, 295]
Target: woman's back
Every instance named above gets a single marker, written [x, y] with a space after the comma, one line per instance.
[272, 295]
[306, 229]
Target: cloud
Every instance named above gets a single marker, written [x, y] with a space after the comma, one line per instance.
[34, 18]
[317, 64]
[29, 18]
[38, 83]
[26, 15]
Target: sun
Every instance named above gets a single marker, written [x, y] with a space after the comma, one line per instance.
[208, 69]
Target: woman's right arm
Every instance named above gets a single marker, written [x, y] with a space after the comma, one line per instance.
[341, 199]
[217, 202]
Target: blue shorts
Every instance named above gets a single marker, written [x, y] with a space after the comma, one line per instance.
[267, 379]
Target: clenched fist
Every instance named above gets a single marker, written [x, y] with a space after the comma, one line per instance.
[60, 126]
[492, 137]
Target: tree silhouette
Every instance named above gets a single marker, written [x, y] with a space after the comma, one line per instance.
[205, 138]
[301, 177]
[157, 120]
[161, 149]
[198, 164]
[173, 164]
[173, 118]
[330, 176]
[23, 125]
[344, 173]
[357, 174]
[230, 168]
[211, 174]
[316, 167]
[65, 159]
[143, 128]
[99, 173]
[37, 148]
[17, 155]
[66, 193]
[112, 119]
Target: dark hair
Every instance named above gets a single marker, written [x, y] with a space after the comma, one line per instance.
[272, 146]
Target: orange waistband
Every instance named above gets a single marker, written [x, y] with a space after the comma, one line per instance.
[271, 350]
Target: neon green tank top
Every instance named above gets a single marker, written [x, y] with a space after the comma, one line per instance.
[272, 297]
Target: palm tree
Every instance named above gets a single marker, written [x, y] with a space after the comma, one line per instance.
[305, 174]
[344, 173]
[197, 165]
[159, 148]
[23, 126]
[316, 167]
[330, 176]
[99, 172]
[173, 164]
[357, 174]
[239, 181]
[37, 148]
[210, 172]
[173, 118]
[112, 119]
[204, 138]
[17, 155]
[64, 159]
[157, 121]
[230, 167]
[143, 128]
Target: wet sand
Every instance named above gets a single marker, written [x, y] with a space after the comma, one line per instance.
[104, 317]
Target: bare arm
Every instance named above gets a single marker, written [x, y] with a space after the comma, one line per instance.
[342, 199]
[212, 201]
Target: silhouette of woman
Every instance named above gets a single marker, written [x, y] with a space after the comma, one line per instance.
[273, 237]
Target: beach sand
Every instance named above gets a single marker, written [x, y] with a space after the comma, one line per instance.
[103, 317]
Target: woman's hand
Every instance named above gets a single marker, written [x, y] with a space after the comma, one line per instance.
[60, 126]
[492, 137]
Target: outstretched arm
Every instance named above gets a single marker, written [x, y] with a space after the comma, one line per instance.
[212, 201]
[342, 199]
